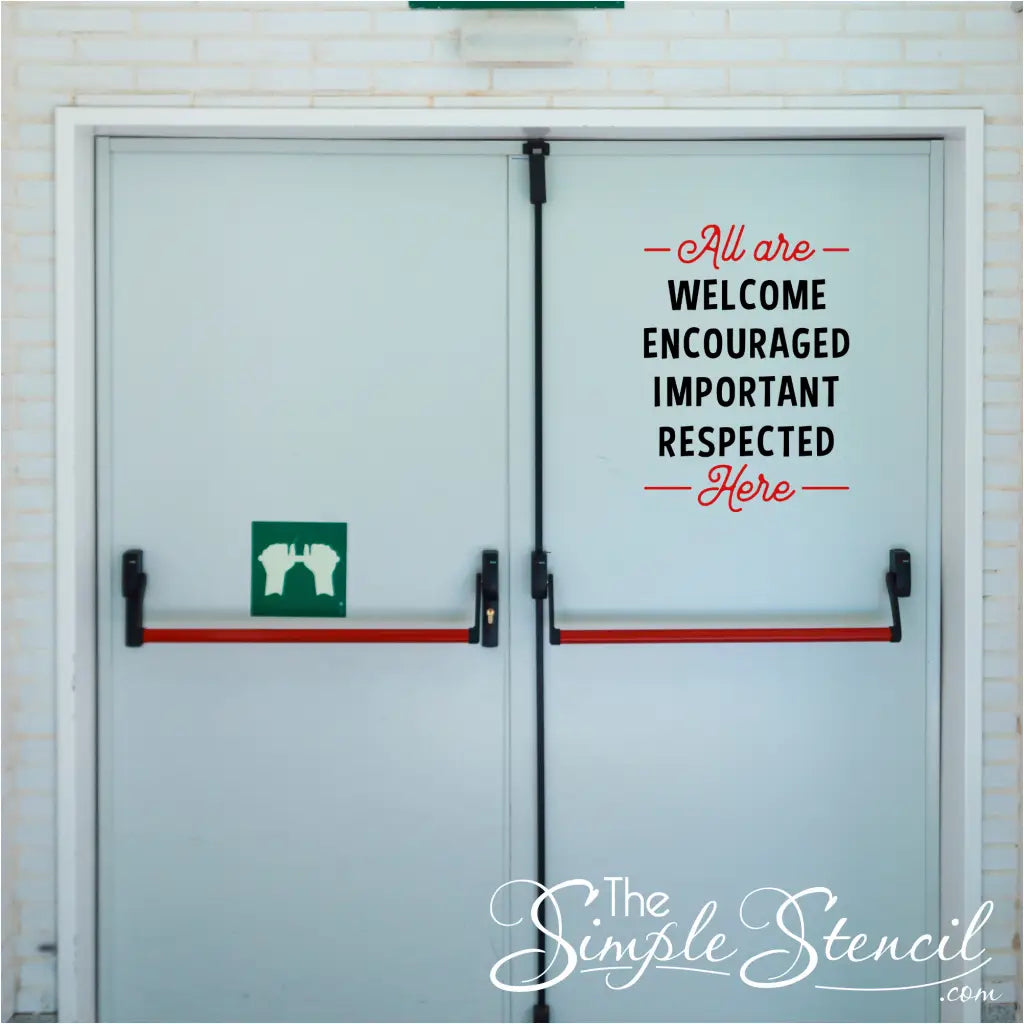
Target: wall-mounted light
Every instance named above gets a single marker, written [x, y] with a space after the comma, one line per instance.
[517, 31]
[519, 37]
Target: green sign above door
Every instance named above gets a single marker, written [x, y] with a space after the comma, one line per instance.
[298, 569]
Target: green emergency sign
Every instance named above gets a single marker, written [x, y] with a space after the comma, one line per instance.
[298, 569]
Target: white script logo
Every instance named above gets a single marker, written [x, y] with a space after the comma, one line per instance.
[791, 954]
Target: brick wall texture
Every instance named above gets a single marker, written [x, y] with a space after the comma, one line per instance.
[381, 53]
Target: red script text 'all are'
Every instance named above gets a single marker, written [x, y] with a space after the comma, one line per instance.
[727, 247]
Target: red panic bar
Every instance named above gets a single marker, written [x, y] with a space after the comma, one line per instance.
[816, 634]
[215, 635]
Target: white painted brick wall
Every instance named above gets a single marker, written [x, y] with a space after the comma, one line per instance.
[301, 54]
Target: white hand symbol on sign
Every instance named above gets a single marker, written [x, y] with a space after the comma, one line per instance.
[277, 559]
[321, 559]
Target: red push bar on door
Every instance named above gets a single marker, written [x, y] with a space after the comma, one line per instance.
[897, 584]
[484, 630]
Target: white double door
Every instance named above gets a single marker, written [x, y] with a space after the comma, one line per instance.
[326, 332]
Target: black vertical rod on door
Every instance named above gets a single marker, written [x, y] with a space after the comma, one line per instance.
[536, 151]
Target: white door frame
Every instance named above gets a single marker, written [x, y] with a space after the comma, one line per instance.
[76, 576]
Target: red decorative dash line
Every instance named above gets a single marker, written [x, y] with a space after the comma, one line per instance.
[836, 249]
[843, 488]
[657, 249]
[651, 488]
